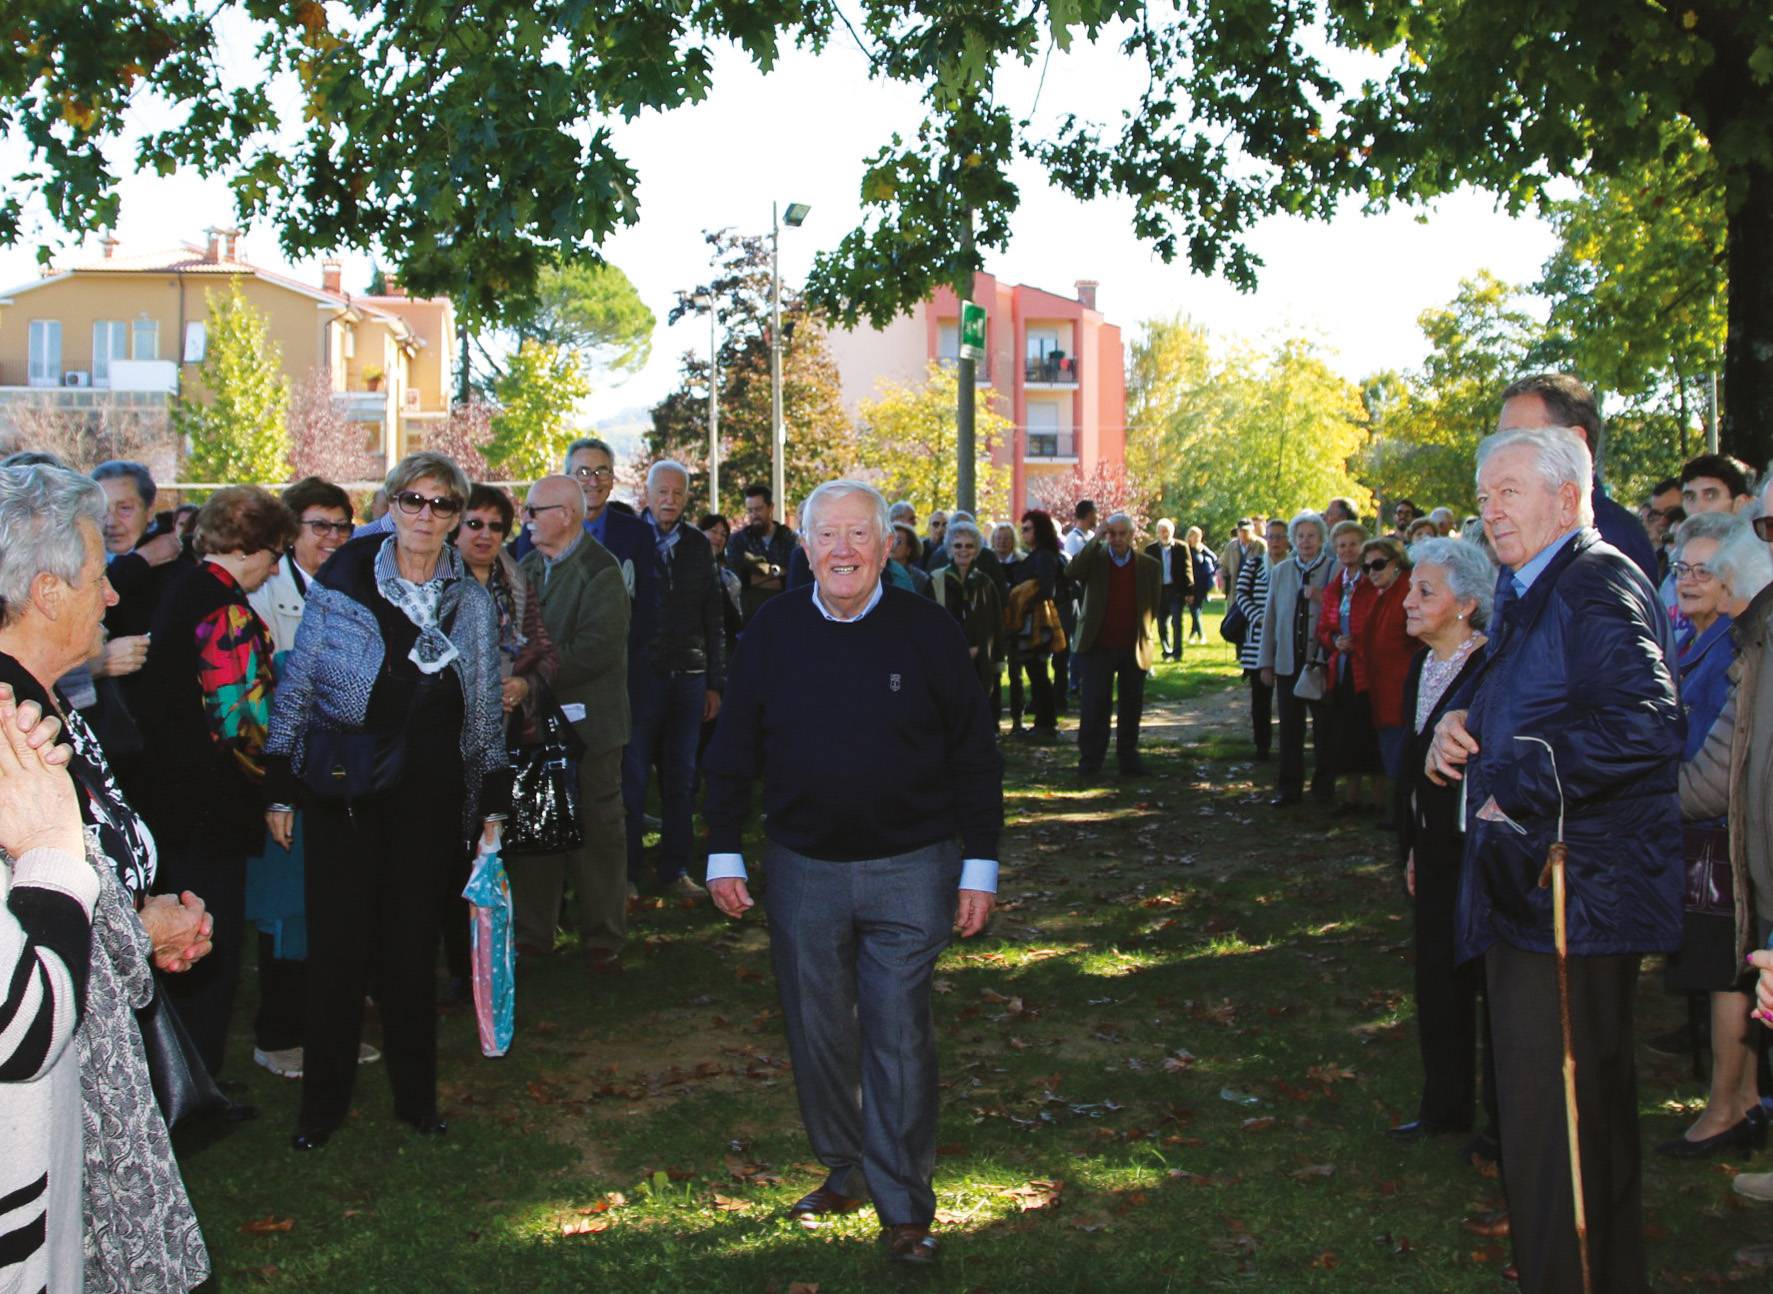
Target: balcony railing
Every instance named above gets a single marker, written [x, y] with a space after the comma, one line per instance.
[1052, 444]
[1055, 368]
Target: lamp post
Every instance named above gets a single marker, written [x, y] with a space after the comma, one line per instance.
[796, 213]
[713, 401]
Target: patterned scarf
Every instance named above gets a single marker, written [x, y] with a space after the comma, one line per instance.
[511, 638]
[419, 603]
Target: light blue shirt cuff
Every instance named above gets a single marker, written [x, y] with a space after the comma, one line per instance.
[724, 866]
[975, 873]
[979, 874]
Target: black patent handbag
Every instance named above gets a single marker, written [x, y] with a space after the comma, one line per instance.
[545, 788]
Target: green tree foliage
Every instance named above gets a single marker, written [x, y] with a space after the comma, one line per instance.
[534, 422]
[238, 433]
[1638, 294]
[587, 307]
[820, 438]
[1250, 432]
[1427, 424]
[908, 438]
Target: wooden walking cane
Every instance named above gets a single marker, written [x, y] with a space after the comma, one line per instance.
[1554, 877]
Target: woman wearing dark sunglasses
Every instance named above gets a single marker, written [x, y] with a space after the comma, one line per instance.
[388, 732]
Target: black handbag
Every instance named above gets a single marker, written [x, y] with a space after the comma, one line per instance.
[545, 788]
[1711, 883]
[183, 1087]
[342, 766]
[1235, 627]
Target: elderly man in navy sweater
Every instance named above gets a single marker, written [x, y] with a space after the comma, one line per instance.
[883, 800]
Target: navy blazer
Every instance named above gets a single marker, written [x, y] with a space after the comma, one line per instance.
[1585, 662]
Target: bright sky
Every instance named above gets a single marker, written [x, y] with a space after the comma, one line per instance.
[801, 134]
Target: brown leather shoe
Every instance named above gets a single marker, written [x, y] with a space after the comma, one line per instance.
[1492, 1226]
[909, 1243]
[817, 1203]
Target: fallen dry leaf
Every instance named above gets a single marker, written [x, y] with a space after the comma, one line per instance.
[1311, 1171]
[1039, 1193]
[803, 1287]
[585, 1226]
[727, 1204]
[1261, 1124]
[267, 1226]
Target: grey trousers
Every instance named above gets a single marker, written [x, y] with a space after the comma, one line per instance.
[599, 868]
[854, 947]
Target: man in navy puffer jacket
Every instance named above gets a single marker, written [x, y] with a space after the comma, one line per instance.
[1580, 664]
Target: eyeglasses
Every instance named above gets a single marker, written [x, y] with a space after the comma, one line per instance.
[325, 528]
[1764, 528]
[412, 503]
[1376, 565]
[480, 523]
[534, 510]
[1701, 574]
[585, 473]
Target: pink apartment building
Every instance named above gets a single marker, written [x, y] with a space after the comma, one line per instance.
[1053, 366]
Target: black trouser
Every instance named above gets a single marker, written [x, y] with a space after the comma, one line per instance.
[1107, 670]
[283, 997]
[1261, 711]
[1293, 716]
[1194, 615]
[1447, 1003]
[204, 995]
[1169, 621]
[374, 893]
[1535, 1148]
[1040, 687]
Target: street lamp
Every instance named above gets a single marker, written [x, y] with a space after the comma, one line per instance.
[708, 299]
[795, 215]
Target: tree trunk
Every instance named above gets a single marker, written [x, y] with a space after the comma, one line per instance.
[1746, 423]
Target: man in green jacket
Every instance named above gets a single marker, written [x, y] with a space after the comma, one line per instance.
[1115, 636]
[585, 610]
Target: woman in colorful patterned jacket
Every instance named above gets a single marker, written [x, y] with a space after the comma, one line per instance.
[206, 706]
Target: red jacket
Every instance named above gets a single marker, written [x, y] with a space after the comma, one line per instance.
[1387, 649]
[1329, 625]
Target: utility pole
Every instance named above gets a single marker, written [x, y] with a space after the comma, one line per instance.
[963, 438]
[778, 493]
[1711, 414]
[713, 404]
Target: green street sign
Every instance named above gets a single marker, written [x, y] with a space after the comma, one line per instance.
[972, 331]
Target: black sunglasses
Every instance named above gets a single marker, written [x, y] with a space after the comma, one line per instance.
[480, 523]
[412, 503]
[1764, 528]
[1377, 564]
[323, 528]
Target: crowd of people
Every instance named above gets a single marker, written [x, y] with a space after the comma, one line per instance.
[260, 716]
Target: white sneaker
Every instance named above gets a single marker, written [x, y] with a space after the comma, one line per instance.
[1756, 1186]
[366, 1054]
[633, 892]
[285, 1064]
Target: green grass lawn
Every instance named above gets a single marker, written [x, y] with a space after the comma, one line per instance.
[1166, 1066]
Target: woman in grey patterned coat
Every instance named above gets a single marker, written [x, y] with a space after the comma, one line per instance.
[136, 1231]
[389, 710]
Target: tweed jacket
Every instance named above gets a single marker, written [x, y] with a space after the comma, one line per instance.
[585, 610]
[332, 671]
[1089, 570]
[1286, 585]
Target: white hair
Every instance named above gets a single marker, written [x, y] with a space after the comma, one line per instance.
[1742, 560]
[1442, 517]
[902, 509]
[1308, 518]
[1471, 572]
[1119, 516]
[667, 465]
[831, 491]
[1165, 526]
[958, 528]
[1560, 454]
[40, 513]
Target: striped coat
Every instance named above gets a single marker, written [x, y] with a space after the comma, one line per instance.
[1251, 593]
[46, 908]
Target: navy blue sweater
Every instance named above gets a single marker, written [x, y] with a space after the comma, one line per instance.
[873, 737]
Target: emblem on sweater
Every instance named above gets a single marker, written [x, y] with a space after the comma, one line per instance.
[893, 681]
